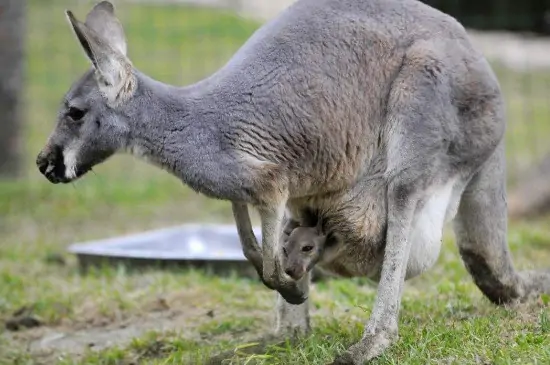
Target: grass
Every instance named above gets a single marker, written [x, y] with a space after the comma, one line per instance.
[170, 317]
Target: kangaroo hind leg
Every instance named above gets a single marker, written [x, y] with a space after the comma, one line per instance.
[419, 111]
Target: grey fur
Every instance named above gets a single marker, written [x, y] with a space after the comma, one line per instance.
[377, 114]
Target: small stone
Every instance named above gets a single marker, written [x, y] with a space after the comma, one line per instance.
[17, 323]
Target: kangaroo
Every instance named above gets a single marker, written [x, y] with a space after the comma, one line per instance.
[331, 102]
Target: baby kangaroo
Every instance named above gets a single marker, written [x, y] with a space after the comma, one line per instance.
[304, 248]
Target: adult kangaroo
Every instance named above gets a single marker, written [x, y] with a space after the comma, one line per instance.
[332, 102]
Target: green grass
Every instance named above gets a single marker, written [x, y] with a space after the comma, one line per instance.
[164, 316]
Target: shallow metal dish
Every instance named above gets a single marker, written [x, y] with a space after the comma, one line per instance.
[215, 247]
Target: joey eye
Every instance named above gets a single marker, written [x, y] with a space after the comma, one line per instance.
[285, 252]
[75, 113]
[307, 248]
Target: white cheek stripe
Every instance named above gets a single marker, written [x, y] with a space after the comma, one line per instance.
[69, 159]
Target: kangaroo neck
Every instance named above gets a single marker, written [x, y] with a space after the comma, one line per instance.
[178, 129]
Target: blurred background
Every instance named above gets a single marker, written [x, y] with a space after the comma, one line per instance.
[180, 42]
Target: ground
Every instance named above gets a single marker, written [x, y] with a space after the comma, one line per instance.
[53, 314]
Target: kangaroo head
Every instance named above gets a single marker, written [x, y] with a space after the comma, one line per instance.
[92, 123]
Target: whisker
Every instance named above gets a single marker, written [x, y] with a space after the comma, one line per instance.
[80, 199]
[99, 177]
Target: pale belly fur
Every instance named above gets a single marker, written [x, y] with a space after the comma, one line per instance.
[427, 232]
[426, 236]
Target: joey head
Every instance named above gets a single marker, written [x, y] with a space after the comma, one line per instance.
[302, 251]
[304, 248]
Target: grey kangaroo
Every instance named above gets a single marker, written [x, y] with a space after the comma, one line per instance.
[379, 113]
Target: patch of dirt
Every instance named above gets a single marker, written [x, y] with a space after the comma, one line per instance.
[75, 342]
[46, 344]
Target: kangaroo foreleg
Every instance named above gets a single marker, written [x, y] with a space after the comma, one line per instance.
[266, 260]
[273, 218]
[251, 250]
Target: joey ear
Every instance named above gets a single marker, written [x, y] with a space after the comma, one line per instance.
[106, 49]
[332, 239]
[319, 226]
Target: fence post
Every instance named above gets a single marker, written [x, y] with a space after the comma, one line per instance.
[12, 34]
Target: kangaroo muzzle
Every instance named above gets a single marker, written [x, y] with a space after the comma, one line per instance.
[50, 163]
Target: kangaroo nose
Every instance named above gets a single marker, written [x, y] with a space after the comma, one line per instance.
[50, 164]
[42, 163]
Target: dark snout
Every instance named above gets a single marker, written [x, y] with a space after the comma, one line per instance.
[50, 164]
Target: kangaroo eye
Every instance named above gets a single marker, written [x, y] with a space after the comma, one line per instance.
[307, 248]
[285, 252]
[75, 113]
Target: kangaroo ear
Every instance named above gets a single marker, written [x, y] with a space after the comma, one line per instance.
[103, 40]
[102, 20]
